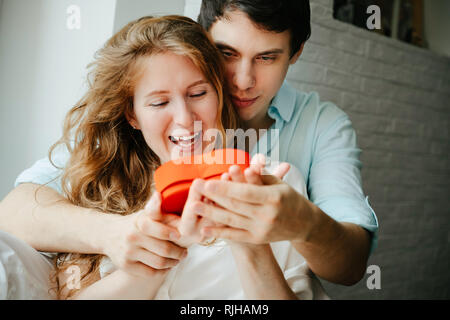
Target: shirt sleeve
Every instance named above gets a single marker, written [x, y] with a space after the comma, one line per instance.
[43, 172]
[334, 182]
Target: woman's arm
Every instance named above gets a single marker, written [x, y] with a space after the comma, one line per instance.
[260, 274]
[119, 285]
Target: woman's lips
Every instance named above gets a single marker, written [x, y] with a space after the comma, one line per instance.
[243, 103]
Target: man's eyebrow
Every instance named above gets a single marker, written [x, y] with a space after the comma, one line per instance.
[224, 46]
[221, 45]
[271, 51]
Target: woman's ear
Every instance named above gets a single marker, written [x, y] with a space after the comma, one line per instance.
[132, 121]
[295, 57]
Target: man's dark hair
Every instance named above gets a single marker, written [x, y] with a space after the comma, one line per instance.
[271, 15]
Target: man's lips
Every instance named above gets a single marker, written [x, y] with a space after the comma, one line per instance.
[243, 103]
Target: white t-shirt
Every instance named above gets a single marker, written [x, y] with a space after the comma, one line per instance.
[210, 272]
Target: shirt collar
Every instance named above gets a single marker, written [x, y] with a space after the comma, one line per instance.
[283, 104]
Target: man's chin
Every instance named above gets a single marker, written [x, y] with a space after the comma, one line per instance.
[246, 115]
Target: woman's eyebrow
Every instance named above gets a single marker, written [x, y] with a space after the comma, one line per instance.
[201, 81]
[155, 92]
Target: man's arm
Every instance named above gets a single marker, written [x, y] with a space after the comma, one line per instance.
[48, 222]
[333, 237]
[335, 251]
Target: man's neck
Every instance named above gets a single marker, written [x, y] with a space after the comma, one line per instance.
[258, 123]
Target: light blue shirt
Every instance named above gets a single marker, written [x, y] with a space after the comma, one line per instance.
[317, 137]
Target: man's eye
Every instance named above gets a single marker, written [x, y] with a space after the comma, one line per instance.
[267, 58]
[227, 54]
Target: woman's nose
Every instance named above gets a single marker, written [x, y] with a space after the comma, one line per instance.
[183, 115]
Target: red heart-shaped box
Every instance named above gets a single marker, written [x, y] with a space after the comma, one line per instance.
[174, 178]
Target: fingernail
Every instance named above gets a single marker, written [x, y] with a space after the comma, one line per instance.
[198, 185]
[184, 255]
[211, 186]
[207, 233]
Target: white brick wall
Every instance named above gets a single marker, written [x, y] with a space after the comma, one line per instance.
[397, 97]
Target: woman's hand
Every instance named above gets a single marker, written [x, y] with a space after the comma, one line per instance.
[191, 224]
[143, 242]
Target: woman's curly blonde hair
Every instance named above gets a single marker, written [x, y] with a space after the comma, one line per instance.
[111, 166]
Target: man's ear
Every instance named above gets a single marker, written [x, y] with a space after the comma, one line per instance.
[132, 120]
[295, 57]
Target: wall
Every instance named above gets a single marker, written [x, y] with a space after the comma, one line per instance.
[128, 10]
[43, 67]
[397, 98]
[437, 25]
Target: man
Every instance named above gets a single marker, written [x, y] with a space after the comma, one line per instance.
[260, 40]
[333, 232]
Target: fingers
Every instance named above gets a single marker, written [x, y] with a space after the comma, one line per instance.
[153, 260]
[221, 215]
[269, 179]
[281, 170]
[236, 174]
[217, 189]
[225, 176]
[258, 162]
[189, 217]
[164, 249]
[252, 176]
[237, 235]
[156, 229]
[153, 207]
[140, 269]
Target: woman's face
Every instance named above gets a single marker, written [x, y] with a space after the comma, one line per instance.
[168, 98]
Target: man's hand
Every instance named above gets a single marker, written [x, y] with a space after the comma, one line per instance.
[336, 252]
[254, 213]
[143, 242]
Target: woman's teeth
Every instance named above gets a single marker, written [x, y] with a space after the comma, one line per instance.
[185, 140]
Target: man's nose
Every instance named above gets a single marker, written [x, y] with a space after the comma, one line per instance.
[244, 75]
[183, 114]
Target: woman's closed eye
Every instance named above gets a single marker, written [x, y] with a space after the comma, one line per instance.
[199, 94]
[159, 104]
[194, 95]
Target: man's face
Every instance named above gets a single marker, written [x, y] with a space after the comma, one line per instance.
[256, 62]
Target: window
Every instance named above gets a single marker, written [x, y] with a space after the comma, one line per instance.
[399, 19]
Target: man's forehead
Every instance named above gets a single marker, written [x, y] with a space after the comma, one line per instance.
[238, 32]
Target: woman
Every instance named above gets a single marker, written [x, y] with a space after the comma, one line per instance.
[150, 83]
